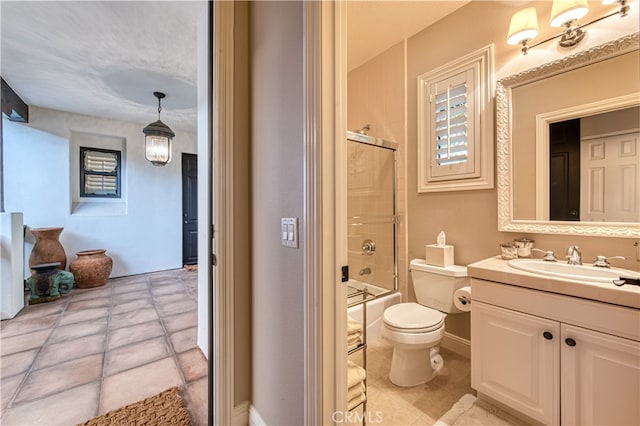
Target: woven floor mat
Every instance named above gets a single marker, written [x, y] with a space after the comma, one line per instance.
[166, 408]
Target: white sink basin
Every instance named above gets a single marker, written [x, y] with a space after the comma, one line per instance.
[584, 272]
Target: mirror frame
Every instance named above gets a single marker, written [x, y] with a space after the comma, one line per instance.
[504, 87]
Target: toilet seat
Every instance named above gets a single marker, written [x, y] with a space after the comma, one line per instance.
[412, 318]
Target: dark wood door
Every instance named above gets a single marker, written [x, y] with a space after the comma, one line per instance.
[564, 170]
[189, 209]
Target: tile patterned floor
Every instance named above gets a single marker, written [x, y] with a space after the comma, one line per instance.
[389, 404]
[95, 350]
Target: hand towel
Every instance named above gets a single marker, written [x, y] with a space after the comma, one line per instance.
[355, 391]
[355, 374]
[357, 400]
[353, 341]
[353, 326]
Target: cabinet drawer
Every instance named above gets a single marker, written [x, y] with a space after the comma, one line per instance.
[611, 319]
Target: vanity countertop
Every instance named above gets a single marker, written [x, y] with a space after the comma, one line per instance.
[497, 270]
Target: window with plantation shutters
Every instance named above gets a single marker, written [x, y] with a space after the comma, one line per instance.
[452, 127]
[99, 173]
[455, 143]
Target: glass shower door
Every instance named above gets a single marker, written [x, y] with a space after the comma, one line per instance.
[371, 210]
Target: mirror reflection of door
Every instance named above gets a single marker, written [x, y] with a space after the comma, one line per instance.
[564, 170]
[189, 209]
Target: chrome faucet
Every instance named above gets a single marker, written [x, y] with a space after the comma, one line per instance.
[603, 261]
[574, 257]
[365, 271]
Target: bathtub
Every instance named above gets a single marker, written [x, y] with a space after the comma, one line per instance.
[375, 308]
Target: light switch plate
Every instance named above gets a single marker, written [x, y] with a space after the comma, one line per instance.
[289, 231]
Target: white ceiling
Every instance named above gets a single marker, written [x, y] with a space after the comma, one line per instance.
[106, 58]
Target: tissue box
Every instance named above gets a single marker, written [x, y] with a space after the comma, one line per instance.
[439, 255]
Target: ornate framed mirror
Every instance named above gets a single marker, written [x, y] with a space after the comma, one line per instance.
[532, 108]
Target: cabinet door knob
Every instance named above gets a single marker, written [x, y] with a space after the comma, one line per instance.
[547, 335]
[569, 341]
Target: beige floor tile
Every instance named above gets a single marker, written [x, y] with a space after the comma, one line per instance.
[11, 345]
[177, 307]
[128, 297]
[181, 321]
[30, 312]
[18, 326]
[193, 364]
[197, 402]
[65, 408]
[74, 331]
[61, 352]
[133, 305]
[177, 288]
[135, 333]
[61, 377]
[184, 340]
[132, 287]
[87, 304]
[16, 363]
[8, 388]
[84, 315]
[168, 298]
[131, 318]
[91, 293]
[135, 355]
[138, 383]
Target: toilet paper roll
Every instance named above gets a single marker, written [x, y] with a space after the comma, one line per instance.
[462, 298]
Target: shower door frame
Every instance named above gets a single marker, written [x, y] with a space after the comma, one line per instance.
[395, 220]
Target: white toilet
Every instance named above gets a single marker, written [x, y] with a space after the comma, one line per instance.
[416, 329]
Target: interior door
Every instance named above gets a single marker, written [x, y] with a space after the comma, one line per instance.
[189, 209]
[564, 170]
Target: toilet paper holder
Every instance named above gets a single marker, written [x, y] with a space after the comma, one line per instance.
[464, 300]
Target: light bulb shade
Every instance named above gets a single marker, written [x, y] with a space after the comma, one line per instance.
[523, 26]
[157, 143]
[565, 11]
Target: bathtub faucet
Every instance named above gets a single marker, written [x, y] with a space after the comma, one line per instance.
[365, 271]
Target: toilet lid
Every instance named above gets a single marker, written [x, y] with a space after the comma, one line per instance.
[411, 316]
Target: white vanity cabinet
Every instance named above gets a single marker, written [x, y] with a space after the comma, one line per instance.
[557, 359]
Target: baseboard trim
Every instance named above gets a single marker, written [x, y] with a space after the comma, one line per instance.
[240, 415]
[255, 419]
[456, 344]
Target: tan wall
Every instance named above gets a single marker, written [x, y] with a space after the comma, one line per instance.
[277, 136]
[376, 96]
[469, 218]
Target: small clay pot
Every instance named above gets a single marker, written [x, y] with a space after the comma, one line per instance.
[92, 268]
[47, 248]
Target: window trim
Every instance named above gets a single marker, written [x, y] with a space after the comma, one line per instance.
[117, 173]
[478, 67]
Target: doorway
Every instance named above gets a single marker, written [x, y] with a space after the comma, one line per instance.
[189, 209]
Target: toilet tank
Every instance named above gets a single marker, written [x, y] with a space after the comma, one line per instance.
[434, 285]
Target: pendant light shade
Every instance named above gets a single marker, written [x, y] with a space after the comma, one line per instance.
[158, 139]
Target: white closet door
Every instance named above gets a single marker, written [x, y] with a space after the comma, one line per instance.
[610, 179]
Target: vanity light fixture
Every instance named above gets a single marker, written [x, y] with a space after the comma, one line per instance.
[157, 138]
[564, 13]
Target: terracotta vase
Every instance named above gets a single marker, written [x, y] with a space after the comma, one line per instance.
[47, 248]
[92, 268]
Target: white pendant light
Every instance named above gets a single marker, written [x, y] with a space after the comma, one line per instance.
[158, 139]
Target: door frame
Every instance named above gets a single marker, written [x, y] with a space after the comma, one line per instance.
[325, 177]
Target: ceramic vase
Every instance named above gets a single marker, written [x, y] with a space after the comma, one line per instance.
[47, 248]
[92, 268]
